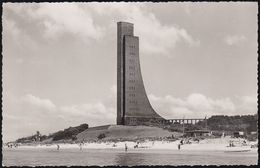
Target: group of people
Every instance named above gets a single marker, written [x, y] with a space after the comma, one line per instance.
[80, 146]
[10, 145]
[136, 146]
[243, 143]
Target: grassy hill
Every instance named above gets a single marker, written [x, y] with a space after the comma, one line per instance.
[246, 123]
[62, 135]
[120, 132]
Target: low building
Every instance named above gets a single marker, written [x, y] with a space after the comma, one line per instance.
[238, 134]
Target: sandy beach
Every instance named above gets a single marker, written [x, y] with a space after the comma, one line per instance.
[217, 144]
[205, 152]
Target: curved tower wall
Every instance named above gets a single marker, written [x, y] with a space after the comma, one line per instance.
[133, 106]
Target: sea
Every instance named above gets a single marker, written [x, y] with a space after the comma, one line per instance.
[133, 157]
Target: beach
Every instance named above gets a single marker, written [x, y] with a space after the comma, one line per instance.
[217, 144]
[205, 152]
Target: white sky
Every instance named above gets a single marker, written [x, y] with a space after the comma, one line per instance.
[59, 61]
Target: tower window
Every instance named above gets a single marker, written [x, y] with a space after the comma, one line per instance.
[131, 60]
[131, 74]
[133, 102]
[131, 88]
[131, 67]
[131, 95]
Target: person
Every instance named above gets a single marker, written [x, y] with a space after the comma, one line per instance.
[125, 147]
[179, 146]
[244, 143]
[58, 147]
[80, 146]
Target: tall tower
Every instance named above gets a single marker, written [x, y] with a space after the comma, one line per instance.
[133, 106]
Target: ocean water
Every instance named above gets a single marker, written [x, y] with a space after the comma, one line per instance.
[102, 157]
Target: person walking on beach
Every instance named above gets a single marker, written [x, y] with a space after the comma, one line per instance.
[58, 147]
[80, 146]
[125, 147]
[181, 142]
[179, 146]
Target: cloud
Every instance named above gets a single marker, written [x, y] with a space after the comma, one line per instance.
[248, 104]
[55, 19]
[29, 113]
[234, 39]
[198, 105]
[157, 38]
[59, 18]
[12, 33]
[67, 17]
[36, 101]
[93, 114]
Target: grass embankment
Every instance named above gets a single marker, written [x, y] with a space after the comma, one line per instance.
[120, 132]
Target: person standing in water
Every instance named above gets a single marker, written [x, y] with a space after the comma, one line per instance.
[80, 146]
[125, 147]
[179, 146]
[58, 147]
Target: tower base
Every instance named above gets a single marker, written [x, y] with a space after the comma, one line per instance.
[144, 121]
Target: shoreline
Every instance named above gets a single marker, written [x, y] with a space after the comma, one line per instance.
[217, 144]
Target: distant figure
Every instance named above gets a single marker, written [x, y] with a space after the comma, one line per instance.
[58, 147]
[80, 146]
[181, 142]
[136, 146]
[125, 147]
[244, 143]
[231, 144]
[179, 146]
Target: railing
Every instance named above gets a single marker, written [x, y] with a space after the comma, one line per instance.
[186, 121]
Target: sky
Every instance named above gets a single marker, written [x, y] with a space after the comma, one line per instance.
[59, 61]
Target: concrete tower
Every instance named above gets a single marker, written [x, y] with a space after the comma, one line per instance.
[133, 106]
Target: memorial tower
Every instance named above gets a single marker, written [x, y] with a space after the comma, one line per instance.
[133, 106]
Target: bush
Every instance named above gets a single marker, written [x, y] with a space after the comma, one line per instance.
[74, 137]
[69, 133]
[101, 136]
[43, 137]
